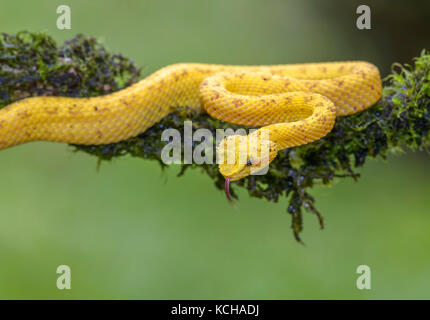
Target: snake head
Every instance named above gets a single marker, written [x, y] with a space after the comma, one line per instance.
[240, 156]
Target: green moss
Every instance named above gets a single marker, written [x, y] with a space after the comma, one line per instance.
[32, 64]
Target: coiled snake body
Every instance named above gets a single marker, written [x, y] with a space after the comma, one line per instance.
[296, 103]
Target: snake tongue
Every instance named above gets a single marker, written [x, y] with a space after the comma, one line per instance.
[227, 189]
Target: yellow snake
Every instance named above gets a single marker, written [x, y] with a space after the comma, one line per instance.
[296, 103]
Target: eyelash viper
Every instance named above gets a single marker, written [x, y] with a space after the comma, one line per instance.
[297, 103]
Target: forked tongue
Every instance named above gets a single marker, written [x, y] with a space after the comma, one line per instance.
[227, 189]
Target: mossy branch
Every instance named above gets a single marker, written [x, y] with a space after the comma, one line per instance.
[33, 64]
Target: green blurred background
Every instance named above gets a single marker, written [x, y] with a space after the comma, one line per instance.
[132, 231]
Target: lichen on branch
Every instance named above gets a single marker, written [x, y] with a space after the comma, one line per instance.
[33, 64]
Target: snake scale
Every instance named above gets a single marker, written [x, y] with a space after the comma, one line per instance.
[296, 103]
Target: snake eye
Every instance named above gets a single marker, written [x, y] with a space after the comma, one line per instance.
[249, 162]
